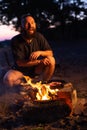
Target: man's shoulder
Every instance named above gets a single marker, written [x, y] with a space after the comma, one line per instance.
[16, 37]
[39, 35]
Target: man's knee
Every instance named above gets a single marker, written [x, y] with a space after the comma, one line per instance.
[12, 77]
[51, 60]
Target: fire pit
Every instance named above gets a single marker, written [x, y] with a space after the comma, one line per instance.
[45, 102]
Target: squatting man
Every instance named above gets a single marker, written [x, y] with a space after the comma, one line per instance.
[32, 54]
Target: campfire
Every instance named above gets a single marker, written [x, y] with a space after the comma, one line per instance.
[39, 91]
[54, 99]
[52, 91]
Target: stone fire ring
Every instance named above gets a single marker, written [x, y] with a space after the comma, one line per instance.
[45, 111]
[48, 110]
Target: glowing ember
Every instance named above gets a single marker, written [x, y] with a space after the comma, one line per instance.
[44, 92]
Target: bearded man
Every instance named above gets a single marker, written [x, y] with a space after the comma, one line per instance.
[32, 54]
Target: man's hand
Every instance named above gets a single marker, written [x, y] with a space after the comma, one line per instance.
[45, 61]
[35, 55]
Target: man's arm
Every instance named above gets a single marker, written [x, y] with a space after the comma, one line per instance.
[37, 54]
[22, 63]
[33, 60]
[47, 53]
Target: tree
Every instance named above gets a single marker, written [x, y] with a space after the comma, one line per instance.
[42, 10]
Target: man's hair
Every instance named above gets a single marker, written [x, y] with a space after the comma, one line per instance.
[24, 16]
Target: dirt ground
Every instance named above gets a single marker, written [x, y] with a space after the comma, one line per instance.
[71, 59]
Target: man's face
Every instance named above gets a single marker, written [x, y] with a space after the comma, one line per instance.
[29, 25]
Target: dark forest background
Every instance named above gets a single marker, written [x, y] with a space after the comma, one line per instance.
[56, 19]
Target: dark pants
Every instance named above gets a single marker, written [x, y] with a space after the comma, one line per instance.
[27, 71]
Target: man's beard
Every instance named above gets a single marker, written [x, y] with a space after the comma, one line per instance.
[28, 35]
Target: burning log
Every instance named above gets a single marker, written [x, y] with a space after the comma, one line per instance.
[38, 90]
[53, 99]
[29, 93]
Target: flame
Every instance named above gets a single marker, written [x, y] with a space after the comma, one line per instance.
[44, 91]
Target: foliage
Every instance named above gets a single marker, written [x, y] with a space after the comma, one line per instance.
[48, 13]
[51, 9]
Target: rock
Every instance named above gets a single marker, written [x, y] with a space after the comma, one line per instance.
[81, 107]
